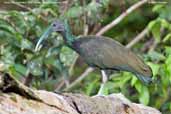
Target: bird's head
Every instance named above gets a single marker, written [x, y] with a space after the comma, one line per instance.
[59, 26]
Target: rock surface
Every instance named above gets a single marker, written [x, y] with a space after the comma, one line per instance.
[16, 98]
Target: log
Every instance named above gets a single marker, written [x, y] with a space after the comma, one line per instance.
[16, 98]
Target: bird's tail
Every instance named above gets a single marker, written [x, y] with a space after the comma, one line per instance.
[145, 79]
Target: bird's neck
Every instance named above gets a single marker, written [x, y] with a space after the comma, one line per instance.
[69, 38]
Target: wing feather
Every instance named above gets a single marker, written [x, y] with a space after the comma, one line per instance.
[106, 53]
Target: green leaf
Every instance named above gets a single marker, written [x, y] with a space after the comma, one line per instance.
[55, 62]
[7, 29]
[90, 87]
[144, 95]
[21, 69]
[75, 11]
[93, 7]
[49, 84]
[26, 44]
[165, 12]
[167, 37]
[18, 37]
[105, 2]
[156, 56]
[35, 68]
[53, 51]
[13, 71]
[138, 86]
[154, 27]
[134, 80]
[151, 24]
[167, 50]
[157, 8]
[126, 78]
[168, 60]
[105, 90]
[18, 20]
[155, 68]
[67, 56]
[165, 24]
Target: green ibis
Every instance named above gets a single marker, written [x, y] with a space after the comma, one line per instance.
[101, 52]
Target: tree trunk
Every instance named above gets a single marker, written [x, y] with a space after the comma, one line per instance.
[16, 98]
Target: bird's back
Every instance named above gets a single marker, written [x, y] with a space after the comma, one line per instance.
[105, 53]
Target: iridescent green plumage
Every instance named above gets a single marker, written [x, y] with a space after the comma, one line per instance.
[104, 53]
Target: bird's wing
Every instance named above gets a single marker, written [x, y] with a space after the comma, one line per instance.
[102, 52]
[110, 54]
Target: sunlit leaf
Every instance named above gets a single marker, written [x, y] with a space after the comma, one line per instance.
[167, 37]
[154, 27]
[157, 8]
[165, 24]
[155, 68]
[138, 87]
[144, 95]
[134, 80]
[90, 87]
[75, 11]
[168, 50]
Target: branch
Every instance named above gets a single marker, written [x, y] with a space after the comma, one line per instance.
[103, 30]
[80, 78]
[137, 38]
[121, 17]
[13, 101]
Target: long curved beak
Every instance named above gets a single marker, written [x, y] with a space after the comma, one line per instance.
[48, 31]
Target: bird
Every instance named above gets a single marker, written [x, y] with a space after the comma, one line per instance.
[101, 52]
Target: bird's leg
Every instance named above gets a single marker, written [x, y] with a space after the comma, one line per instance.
[104, 80]
[64, 71]
[65, 76]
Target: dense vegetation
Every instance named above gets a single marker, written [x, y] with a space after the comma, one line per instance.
[56, 66]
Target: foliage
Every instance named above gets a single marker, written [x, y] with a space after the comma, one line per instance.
[55, 63]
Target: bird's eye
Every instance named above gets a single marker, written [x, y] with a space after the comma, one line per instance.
[54, 25]
[145, 69]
